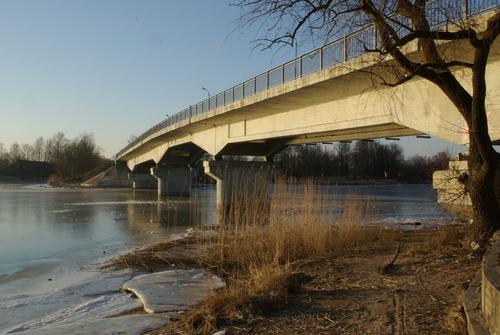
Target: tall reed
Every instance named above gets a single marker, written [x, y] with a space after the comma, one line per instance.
[268, 228]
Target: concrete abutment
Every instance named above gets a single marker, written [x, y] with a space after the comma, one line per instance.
[482, 298]
[243, 190]
[451, 193]
[142, 180]
[173, 180]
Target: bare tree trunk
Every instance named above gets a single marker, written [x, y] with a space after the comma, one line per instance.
[481, 189]
[482, 156]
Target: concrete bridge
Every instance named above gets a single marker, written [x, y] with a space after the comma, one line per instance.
[325, 95]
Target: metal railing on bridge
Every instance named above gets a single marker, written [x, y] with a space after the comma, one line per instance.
[341, 50]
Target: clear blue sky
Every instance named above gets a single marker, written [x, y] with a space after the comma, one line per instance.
[115, 67]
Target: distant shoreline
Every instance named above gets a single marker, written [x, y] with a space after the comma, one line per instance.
[321, 181]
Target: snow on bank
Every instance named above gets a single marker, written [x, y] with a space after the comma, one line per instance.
[101, 306]
[173, 290]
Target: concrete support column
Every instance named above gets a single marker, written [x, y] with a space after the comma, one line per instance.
[173, 180]
[243, 190]
[121, 163]
[142, 180]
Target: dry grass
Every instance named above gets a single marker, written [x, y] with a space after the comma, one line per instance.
[442, 238]
[178, 253]
[281, 244]
[264, 289]
[257, 252]
[55, 180]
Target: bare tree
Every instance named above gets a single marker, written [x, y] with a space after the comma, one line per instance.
[39, 149]
[343, 157]
[27, 151]
[54, 148]
[399, 24]
[72, 158]
[4, 154]
[15, 152]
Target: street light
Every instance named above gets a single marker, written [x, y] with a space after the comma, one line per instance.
[208, 92]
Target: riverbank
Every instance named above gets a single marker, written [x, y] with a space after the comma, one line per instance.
[353, 289]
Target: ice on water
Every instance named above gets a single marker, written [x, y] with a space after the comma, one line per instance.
[173, 290]
[105, 304]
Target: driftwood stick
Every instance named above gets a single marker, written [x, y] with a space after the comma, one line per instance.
[387, 267]
[438, 300]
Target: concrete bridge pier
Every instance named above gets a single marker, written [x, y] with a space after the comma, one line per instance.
[243, 190]
[142, 180]
[173, 180]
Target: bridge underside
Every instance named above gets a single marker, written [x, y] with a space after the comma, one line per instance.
[340, 103]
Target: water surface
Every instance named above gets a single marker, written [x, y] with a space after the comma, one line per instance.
[46, 233]
[53, 240]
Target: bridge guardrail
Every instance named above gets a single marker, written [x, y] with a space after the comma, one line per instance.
[338, 51]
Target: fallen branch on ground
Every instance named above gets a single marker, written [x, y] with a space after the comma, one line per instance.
[387, 267]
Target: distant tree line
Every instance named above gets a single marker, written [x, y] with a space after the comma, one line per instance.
[361, 159]
[69, 158]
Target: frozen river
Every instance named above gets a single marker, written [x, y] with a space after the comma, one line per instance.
[54, 239]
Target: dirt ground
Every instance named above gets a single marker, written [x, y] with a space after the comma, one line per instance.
[348, 295]
[420, 294]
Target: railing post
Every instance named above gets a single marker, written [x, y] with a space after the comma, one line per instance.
[254, 85]
[282, 74]
[321, 58]
[374, 36]
[267, 80]
[345, 48]
[300, 66]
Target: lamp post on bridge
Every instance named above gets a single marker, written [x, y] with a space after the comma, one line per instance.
[208, 92]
